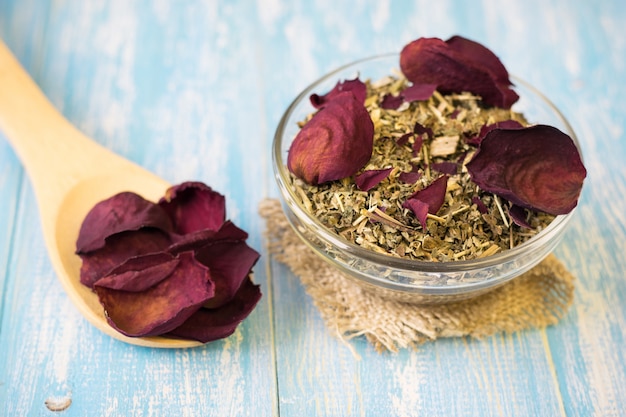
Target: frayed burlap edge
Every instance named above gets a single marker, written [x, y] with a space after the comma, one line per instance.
[538, 298]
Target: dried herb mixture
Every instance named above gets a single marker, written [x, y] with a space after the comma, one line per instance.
[376, 220]
[432, 164]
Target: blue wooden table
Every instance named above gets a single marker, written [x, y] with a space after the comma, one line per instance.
[194, 90]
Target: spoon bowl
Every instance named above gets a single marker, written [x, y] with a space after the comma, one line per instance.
[70, 173]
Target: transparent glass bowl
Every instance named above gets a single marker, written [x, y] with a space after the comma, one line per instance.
[421, 282]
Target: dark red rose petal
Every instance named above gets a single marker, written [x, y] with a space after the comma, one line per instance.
[140, 272]
[418, 92]
[457, 68]
[118, 249]
[391, 102]
[449, 168]
[419, 209]
[481, 56]
[192, 241]
[537, 167]
[336, 143]
[480, 205]
[230, 263]
[194, 206]
[428, 200]
[206, 325]
[370, 179]
[421, 130]
[506, 124]
[410, 177]
[518, 215]
[356, 87]
[402, 140]
[121, 213]
[163, 307]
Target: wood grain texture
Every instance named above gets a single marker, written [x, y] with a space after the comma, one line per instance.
[194, 90]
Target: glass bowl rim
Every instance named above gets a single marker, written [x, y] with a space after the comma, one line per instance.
[402, 264]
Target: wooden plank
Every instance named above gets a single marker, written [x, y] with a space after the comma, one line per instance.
[161, 107]
[194, 92]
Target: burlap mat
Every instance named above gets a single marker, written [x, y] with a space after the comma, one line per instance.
[539, 298]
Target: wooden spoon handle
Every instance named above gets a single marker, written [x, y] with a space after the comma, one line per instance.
[55, 154]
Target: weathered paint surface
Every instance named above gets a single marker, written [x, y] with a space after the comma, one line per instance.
[194, 90]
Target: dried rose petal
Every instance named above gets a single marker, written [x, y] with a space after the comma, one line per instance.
[119, 248]
[445, 167]
[410, 177]
[194, 206]
[206, 325]
[505, 124]
[121, 213]
[418, 92]
[415, 92]
[140, 272]
[421, 130]
[158, 264]
[402, 140]
[391, 102]
[428, 200]
[336, 143]
[230, 263]
[456, 66]
[162, 307]
[419, 209]
[228, 232]
[537, 167]
[479, 203]
[481, 55]
[356, 87]
[370, 179]
[518, 215]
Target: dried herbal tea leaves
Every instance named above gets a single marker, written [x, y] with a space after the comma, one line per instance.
[154, 277]
[415, 197]
[469, 222]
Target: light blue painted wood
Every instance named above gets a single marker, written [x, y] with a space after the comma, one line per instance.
[194, 91]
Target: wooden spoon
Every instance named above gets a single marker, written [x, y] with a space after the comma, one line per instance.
[70, 173]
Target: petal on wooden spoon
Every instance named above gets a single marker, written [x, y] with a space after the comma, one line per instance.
[207, 325]
[120, 213]
[160, 308]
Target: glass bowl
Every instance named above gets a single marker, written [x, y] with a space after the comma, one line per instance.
[420, 282]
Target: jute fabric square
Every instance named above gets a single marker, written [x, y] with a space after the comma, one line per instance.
[538, 298]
